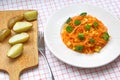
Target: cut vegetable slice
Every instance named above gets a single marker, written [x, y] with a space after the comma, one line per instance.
[13, 20]
[15, 51]
[22, 26]
[4, 33]
[19, 38]
[30, 15]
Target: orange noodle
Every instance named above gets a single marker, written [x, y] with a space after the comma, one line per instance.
[84, 33]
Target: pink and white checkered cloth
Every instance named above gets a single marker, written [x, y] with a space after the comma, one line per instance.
[61, 70]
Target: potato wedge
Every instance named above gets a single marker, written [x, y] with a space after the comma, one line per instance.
[30, 15]
[22, 26]
[4, 33]
[13, 20]
[19, 38]
[15, 51]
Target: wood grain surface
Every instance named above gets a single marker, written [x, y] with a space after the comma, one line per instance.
[29, 57]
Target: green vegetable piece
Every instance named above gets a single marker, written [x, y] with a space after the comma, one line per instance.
[68, 20]
[79, 48]
[81, 36]
[77, 22]
[69, 29]
[106, 36]
[87, 27]
[83, 14]
[92, 40]
[95, 24]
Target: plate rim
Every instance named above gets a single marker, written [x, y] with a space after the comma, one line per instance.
[52, 51]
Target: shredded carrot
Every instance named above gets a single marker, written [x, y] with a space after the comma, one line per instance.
[92, 31]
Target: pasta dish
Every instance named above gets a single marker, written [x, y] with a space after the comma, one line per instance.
[84, 33]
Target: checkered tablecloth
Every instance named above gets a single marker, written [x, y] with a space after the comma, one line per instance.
[61, 70]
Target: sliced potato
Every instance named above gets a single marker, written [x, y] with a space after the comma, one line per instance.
[30, 15]
[22, 26]
[13, 20]
[4, 33]
[19, 38]
[15, 51]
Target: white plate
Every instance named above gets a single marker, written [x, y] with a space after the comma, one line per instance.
[54, 42]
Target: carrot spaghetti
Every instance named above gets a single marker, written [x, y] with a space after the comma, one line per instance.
[84, 34]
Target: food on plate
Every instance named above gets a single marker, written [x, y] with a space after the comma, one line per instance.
[22, 26]
[19, 38]
[13, 20]
[30, 15]
[4, 33]
[15, 51]
[85, 34]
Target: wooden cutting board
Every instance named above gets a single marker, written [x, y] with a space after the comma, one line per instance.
[29, 57]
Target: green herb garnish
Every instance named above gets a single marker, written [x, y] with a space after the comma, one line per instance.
[79, 48]
[81, 36]
[106, 36]
[87, 27]
[77, 22]
[95, 24]
[68, 20]
[69, 29]
[83, 14]
[92, 40]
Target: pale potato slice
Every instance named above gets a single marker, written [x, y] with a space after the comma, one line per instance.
[30, 15]
[15, 51]
[19, 38]
[13, 20]
[4, 33]
[22, 26]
